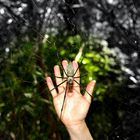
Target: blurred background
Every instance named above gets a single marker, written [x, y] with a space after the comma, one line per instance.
[104, 33]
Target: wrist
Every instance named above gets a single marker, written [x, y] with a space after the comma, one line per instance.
[79, 131]
[76, 125]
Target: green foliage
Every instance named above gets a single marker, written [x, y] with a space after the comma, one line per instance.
[98, 61]
[26, 110]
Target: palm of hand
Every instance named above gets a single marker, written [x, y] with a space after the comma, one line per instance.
[75, 107]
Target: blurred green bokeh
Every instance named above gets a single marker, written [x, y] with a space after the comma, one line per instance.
[26, 109]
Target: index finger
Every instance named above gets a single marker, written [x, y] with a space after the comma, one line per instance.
[51, 87]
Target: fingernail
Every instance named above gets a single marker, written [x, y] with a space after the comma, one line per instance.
[56, 66]
[48, 78]
[64, 61]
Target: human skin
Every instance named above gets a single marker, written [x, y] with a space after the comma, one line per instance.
[76, 105]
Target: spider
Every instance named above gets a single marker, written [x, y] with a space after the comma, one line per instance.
[69, 82]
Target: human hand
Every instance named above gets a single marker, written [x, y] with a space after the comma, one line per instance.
[75, 105]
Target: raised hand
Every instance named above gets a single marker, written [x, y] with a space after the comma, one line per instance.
[71, 106]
